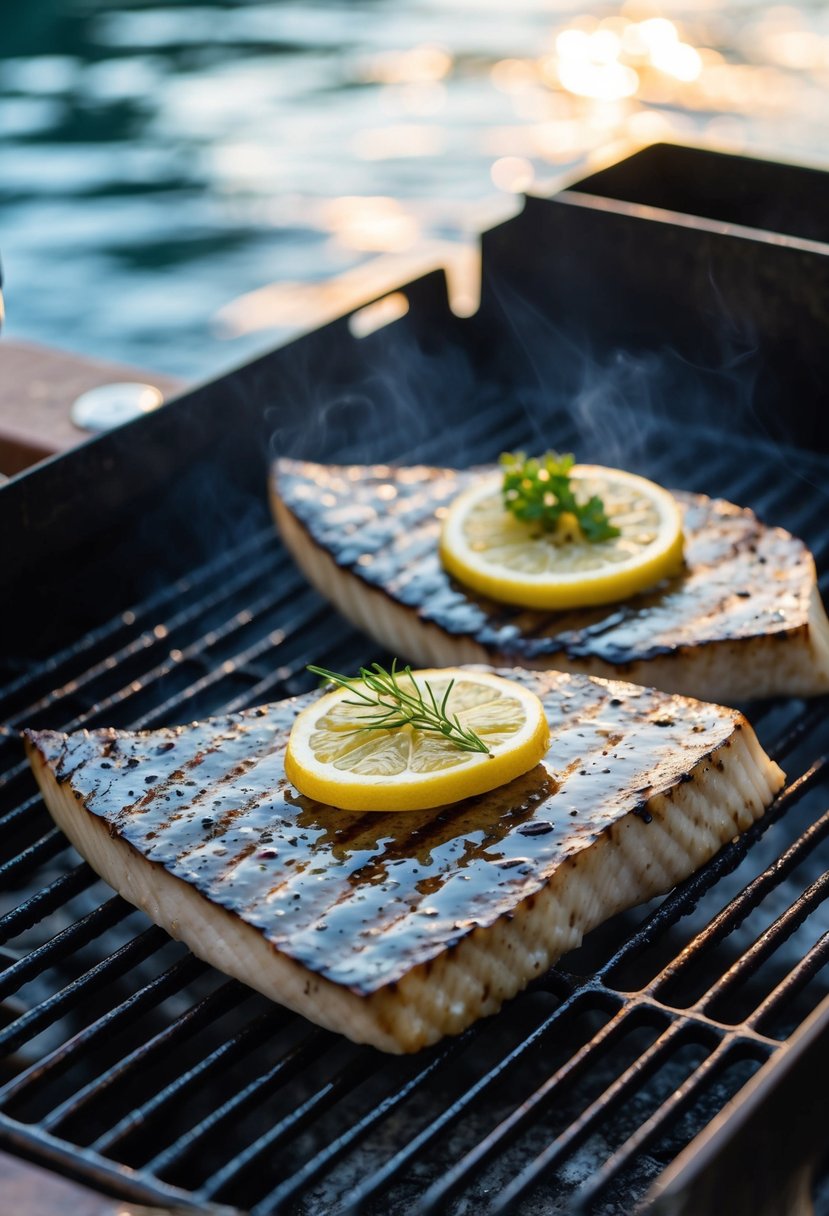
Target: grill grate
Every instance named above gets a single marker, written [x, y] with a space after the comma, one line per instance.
[136, 1067]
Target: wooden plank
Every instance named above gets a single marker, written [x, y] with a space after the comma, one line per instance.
[37, 388]
[28, 1190]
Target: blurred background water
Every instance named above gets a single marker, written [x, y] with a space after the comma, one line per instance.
[180, 181]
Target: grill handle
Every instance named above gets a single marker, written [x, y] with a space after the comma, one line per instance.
[759, 1157]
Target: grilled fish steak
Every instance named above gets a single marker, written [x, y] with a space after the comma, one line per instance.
[396, 929]
[744, 620]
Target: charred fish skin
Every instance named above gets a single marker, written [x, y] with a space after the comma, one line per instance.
[744, 620]
[396, 929]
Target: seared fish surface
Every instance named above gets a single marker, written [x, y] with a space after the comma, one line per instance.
[744, 620]
[397, 929]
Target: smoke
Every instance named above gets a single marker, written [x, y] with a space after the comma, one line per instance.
[619, 394]
[459, 391]
[392, 396]
[657, 379]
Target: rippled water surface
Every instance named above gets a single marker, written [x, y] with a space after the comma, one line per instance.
[179, 182]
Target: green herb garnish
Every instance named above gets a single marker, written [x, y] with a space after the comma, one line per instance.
[392, 706]
[537, 490]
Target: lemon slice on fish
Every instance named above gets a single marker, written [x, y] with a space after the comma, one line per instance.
[333, 758]
[484, 546]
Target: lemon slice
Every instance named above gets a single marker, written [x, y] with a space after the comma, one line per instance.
[487, 548]
[330, 758]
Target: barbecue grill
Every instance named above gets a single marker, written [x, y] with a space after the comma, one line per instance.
[144, 585]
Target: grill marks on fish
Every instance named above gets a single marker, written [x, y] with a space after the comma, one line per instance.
[350, 917]
[745, 618]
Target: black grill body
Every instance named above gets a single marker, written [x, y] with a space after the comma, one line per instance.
[143, 585]
[741, 190]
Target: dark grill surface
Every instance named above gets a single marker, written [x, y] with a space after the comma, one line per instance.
[133, 1065]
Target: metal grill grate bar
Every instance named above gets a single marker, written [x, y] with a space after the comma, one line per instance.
[174, 978]
[642, 1068]
[300, 602]
[685, 463]
[667, 1113]
[227, 1052]
[216, 1003]
[495, 432]
[346, 1079]
[346, 645]
[299, 625]
[547, 1161]
[46, 901]
[454, 1177]
[735, 912]
[152, 638]
[29, 826]
[688, 893]
[206, 574]
[49, 845]
[803, 724]
[323, 1160]
[50, 1010]
[792, 984]
[104, 917]
[746, 482]
[19, 816]
[813, 714]
[304, 1052]
[779, 930]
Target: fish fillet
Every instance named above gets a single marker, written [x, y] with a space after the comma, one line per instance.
[397, 929]
[744, 620]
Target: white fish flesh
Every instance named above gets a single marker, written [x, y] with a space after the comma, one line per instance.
[397, 929]
[744, 620]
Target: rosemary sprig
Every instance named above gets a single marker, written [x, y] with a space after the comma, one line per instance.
[392, 706]
[538, 490]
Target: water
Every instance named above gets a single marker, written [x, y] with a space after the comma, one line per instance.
[179, 182]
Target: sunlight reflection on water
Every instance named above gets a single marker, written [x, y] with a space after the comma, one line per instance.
[179, 182]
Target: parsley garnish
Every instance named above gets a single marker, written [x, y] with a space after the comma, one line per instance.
[538, 491]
